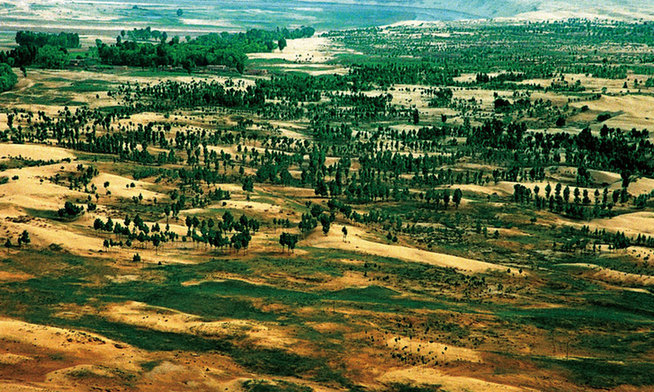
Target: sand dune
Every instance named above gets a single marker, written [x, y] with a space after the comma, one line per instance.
[431, 376]
[34, 152]
[356, 242]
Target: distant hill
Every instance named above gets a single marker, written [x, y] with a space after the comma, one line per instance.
[547, 9]
[105, 18]
[536, 9]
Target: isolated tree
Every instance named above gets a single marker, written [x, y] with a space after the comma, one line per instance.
[456, 198]
[344, 231]
[325, 222]
[248, 184]
[281, 43]
[24, 238]
[292, 242]
[282, 240]
[288, 240]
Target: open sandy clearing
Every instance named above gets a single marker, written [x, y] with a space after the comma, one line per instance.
[355, 242]
[638, 187]
[245, 206]
[303, 50]
[95, 348]
[609, 275]
[32, 189]
[638, 111]
[13, 387]
[441, 352]
[168, 320]
[122, 187]
[430, 376]
[632, 224]
[34, 152]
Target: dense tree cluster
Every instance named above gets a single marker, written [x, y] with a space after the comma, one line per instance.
[62, 39]
[43, 49]
[228, 49]
[8, 78]
[70, 210]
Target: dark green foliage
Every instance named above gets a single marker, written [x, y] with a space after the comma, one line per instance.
[601, 373]
[397, 387]
[39, 40]
[603, 117]
[278, 386]
[50, 56]
[228, 49]
[8, 78]
[70, 210]
[275, 361]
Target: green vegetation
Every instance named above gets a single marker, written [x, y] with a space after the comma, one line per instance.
[212, 49]
[8, 78]
[472, 198]
[605, 374]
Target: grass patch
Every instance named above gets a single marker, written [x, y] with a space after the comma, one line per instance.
[277, 386]
[276, 362]
[597, 373]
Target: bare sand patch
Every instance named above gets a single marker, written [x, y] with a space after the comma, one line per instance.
[121, 186]
[168, 320]
[604, 177]
[14, 387]
[613, 276]
[638, 187]
[44, 233]
[81, 344]
[431, 376]
[483, 190]
[34, 152]
[635, 223]
[444, 353]
[313, 50]
[13, 359]
[350, 279]
[246, 206]
[13, 276]
[355, 242]
[637, 111]
[32, 189]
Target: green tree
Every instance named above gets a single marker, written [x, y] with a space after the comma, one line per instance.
[51, 57]
[456, 198]
[8, 78]
[24, 238]
[282, 43]
[248, 184]
[416, 116]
